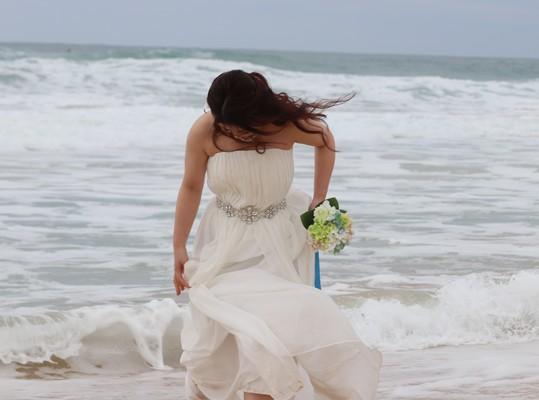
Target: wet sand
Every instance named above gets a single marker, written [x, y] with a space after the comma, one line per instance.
[465, 372]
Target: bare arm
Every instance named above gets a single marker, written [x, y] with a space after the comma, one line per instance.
[188, 199]
[324, 158]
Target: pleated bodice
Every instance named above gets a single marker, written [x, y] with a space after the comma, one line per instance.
[246, 177]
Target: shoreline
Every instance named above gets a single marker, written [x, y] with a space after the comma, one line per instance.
[446, 372]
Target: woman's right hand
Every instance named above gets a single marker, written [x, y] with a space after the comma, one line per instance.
[180, 258]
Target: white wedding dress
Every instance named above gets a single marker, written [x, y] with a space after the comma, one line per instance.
[255, 322]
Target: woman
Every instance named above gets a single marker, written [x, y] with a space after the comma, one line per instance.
[256, 327]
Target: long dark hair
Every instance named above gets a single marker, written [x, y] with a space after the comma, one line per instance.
[247, 101]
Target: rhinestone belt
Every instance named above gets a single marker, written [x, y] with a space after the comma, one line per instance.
[250, 214]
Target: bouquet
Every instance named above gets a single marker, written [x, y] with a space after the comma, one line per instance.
[329, 228]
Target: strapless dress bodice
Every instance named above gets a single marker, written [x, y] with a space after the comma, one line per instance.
[246, 177]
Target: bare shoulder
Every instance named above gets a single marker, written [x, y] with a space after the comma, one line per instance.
[200, 140]
[195, 153]
[313, 138]
[200, 133]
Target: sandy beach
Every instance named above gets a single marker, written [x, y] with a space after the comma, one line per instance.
[467, 372]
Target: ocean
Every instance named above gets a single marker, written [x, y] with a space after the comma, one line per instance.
[437, 166]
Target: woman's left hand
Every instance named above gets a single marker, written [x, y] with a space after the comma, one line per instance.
[315, 202]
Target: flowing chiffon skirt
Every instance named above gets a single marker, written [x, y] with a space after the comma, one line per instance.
[254, 321]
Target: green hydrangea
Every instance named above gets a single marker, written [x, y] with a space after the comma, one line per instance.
[331, 230]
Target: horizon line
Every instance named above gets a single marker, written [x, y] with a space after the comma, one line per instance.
[411, 54]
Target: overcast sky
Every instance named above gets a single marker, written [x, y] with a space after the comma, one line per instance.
[450, 27]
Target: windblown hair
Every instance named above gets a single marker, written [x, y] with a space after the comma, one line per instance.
[246, 100]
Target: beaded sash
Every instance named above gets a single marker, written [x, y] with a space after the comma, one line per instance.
[250, 214]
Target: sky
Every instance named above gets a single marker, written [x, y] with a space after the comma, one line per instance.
[489, 28]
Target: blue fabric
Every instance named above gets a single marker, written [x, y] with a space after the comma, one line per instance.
[317, 283]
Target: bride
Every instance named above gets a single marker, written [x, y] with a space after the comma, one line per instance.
[255, 326]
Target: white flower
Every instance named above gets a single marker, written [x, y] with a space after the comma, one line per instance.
[332, 212]
[325, 212]
[322, 212]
